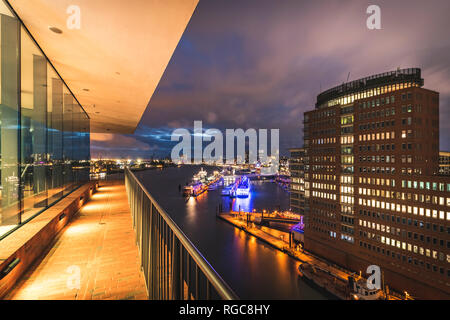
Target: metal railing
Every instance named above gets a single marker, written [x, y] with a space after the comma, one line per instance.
[173, 267]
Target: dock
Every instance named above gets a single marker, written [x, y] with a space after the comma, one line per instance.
[331, 285]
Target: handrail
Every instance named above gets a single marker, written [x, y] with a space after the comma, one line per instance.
[222, 288]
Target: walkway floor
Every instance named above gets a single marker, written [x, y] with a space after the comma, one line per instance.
[94, 257]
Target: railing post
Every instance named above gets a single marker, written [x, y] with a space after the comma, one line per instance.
[181, 270]
[176, 270]
[197, 291]
[153, 252]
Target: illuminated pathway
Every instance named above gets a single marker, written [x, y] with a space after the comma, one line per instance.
[99, 243]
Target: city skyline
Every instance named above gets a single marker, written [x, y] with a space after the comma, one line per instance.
[247, 68]
[224, 150]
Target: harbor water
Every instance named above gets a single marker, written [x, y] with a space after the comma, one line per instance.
[252, 268]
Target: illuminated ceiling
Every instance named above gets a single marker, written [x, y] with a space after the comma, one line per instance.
[114, 61]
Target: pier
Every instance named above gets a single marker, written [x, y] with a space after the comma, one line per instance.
[263, 216]
[282, 241]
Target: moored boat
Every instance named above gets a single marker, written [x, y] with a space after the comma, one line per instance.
[351, 289]
[243, 187]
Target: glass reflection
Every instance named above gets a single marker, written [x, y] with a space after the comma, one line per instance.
[44, 141]
[9, 120]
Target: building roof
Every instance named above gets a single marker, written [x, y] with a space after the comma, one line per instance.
[296, 149]
[400, 75]
[115, 60]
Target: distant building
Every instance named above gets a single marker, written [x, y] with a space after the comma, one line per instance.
[297, 169]
[444, 163]
[372, 185]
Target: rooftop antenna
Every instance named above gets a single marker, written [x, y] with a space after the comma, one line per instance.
[348, 76]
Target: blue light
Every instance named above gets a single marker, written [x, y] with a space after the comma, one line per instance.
[299, 227]
[243, 187]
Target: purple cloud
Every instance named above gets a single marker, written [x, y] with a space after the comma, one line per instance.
[261, 63]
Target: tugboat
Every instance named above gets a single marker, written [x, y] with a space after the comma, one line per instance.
[362, 292]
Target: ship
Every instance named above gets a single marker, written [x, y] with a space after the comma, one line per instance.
[201, 182]
[345, 289]
[194, 189]
[243, 187]
[201, 175]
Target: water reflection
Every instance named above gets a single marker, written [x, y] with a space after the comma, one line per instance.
[242, 204]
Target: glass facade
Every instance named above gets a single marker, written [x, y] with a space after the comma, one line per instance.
[44, 132]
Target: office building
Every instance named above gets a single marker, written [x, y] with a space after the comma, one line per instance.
[372, 185]
[444, 163]
[297, 189]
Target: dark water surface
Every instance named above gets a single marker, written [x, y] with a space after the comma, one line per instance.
[253, 269]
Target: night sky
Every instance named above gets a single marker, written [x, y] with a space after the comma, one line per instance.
[261, 63]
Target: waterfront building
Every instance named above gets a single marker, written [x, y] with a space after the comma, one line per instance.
[375, 196]
[444, 163]
[297, 189]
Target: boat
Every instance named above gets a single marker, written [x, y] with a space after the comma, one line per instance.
[198, 188]
[187, 191]
[229, 179]
[316, 274]
[324, 279]
[226, 191]
[362, 292]
[201, 175]
[350, 289]
[201, 182]
[243, 187]
[194, 189]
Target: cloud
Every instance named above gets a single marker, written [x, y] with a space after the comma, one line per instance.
[261, 63]
[108, 145]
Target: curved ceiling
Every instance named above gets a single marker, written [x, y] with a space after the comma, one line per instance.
[115, 60]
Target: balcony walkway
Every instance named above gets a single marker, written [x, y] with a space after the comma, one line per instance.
[98, 244]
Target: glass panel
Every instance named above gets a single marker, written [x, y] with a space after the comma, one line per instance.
[45, 145]
[9, 121]
[33, 127]
[86, 146]
[76, 144]
[55, 136]
[67, 140]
